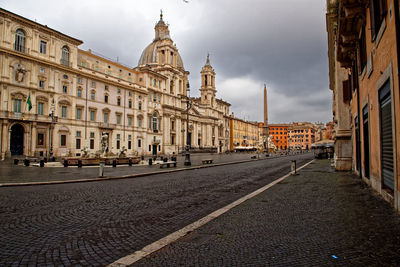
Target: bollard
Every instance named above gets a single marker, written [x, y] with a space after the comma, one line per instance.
[65, 163]
[79, 163]
[16, 161]
[41, 163]
[294, 167]
[150, 161]
[130, 162]
[101, 168]
[114, 163]
[26, 162]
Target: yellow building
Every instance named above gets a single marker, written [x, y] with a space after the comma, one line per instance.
[244, 135]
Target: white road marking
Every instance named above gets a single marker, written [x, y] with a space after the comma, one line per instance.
[147, 250]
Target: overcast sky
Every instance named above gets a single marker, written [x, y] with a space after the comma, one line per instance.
[281, 43]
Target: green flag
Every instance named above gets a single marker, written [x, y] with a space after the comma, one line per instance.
[29, 103]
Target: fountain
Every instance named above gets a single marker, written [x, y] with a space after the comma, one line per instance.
[103, 155]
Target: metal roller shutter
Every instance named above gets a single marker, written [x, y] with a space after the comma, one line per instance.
[386, 136]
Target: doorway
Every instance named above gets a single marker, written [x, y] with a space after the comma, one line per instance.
[154, 150]
[17, 140]
[366, 141]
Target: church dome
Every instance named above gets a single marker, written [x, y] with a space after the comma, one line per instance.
[150, 53]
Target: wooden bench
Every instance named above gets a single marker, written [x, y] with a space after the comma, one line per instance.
[168, 164]
[207, 161]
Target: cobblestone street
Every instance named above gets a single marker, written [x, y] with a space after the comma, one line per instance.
[97, 223]
[10, 173]
[318, 218]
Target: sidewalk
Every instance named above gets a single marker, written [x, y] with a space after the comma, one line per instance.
[10, 173]
[317, 218]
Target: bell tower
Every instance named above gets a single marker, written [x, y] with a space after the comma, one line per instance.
[208, 90]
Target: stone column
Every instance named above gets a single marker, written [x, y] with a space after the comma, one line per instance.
[343, 143]
[4, 141]
[33, 138]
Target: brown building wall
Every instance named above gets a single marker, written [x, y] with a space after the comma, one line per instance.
[384, 68]
[346, 23]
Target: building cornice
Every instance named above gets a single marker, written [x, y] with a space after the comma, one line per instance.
[35, 25]
[71, 70]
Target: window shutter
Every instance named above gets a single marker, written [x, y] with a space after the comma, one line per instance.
[346, 91]
[372, 17]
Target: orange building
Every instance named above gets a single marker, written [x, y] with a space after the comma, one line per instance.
[279, 135]
[301, 135]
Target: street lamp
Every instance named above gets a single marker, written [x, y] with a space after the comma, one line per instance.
[187, 153]
[53, 120]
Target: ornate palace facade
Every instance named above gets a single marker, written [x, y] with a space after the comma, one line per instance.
[55, 97]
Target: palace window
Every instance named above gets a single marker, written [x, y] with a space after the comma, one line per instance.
[130, 104]
[43, 45]
[65, 56]
[79, 113]
[41, 84]
[140, 105]
[80, 80]
[118, 101]
[118, 141]
[64, 89]
[92, 95]
[139, 143]
[155, 121]
[40, 108]
[118, 119]
[129, 141]
[20, 41]
[106, 98]
[91, 140]
[17, 105]
[105, 118]
[63, 140]
[139, 122]
[63, 111]
[92, 115]
[129, 121]
[79, 92]
[78, 143]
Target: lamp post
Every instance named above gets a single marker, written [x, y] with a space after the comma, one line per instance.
[53, 120]
[187, 153]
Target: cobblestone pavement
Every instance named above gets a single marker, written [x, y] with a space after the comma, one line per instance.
[10, 173]
[93, 224]
[317, 218]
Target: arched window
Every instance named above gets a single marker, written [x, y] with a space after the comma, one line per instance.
[20, 41]
[65, 56]
[155, 121]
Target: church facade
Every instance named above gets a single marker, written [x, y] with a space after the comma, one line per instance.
[56, 99]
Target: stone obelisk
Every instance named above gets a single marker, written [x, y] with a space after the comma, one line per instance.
[266, 128]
